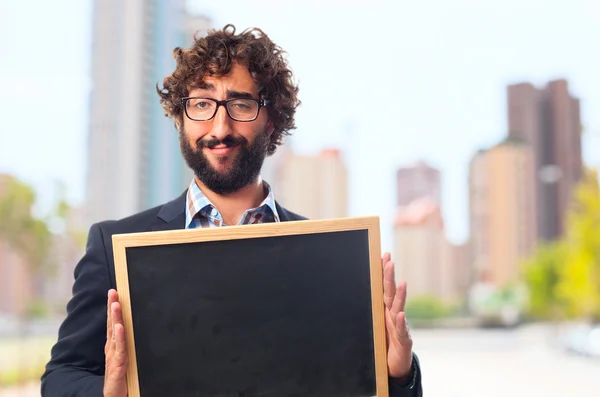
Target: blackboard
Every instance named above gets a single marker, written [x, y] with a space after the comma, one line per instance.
[279, 309]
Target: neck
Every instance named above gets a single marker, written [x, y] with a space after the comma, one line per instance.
[233, 205]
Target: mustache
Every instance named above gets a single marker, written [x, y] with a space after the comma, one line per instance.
[228, 141]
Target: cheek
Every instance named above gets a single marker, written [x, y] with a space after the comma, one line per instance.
[256, 130]
[195, 131]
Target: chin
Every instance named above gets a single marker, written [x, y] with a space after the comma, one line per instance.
[222, 167]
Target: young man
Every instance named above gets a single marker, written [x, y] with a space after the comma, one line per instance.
[232, 98]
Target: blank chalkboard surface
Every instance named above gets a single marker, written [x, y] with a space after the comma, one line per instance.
[280, 309]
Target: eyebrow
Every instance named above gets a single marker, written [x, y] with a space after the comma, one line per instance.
[230, 93]
[239, 94]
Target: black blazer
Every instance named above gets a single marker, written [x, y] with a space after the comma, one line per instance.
[76, 366]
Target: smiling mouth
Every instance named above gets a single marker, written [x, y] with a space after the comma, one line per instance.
[222, 150]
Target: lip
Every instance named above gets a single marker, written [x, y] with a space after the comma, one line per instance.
[222, 150]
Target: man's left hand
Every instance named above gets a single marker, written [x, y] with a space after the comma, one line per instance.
[399, 341]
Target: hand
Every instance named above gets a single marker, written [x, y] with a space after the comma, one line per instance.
[399, 341]
[115, 383]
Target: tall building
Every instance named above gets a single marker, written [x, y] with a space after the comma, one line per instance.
[133, 150]
[502, 211]
[417, 181]
[456, 272]
[418, 246]
[314, 186]
[548, 119]
[423, 257]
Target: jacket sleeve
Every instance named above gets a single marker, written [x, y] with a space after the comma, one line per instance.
[414, 388]
[76, 366]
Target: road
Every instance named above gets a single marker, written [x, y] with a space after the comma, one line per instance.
[494, 363]
[490, 363]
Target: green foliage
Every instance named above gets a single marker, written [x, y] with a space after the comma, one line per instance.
[37, 308]
[18, 227]
[19, 376]
[563, 278]
[425, 308]
[32, 237]
[542, 274]
[579, 280]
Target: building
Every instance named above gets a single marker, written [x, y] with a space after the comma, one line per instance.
[419, 243]
[134, 161]
[548, 119]
[68, 246]
[424, 258]
[17, 284]
[315, 186]
[456, 272]
[417, 181]
[502, 211]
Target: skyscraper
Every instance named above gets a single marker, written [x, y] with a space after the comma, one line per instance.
[313, 186]
[134, 161]
[502, 211]
[424, 258]
[419, 245]
[417, 181]
[548, 119]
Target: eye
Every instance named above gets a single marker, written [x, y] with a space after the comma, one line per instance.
[202, 104]
[241, 105]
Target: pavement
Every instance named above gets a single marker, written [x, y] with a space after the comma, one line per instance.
[523, 362]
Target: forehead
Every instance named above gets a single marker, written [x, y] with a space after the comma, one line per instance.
[238, 79]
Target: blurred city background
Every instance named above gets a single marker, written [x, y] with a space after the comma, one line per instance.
[471, 128]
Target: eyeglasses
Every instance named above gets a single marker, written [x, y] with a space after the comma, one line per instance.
[238, 109]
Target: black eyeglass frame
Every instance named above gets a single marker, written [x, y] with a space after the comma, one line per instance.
[261, 103]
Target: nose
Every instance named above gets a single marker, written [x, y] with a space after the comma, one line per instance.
[221, 125]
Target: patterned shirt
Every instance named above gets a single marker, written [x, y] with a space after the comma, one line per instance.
[200, 212]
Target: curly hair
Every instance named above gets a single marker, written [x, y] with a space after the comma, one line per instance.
[214, 54]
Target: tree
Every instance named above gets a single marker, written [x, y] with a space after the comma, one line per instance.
[563, 277]
[579, 279]
[23, 232]
[542, 273]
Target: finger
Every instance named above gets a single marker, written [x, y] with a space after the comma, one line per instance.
[120, 358]
[390, 324]
[116, 318]
[399, 299]
[402, 330]
[109, 319]
[116, 369]
[386, 258]
[389, 284]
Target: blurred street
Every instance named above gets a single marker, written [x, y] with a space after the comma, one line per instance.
[494, 363]
[474, 362]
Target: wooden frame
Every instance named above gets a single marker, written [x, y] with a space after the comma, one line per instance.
[123, 241]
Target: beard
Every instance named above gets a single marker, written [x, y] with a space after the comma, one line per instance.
[245, 167]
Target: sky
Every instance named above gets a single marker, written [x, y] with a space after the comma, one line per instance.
[388, 82]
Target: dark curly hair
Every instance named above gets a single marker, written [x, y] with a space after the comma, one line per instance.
[214, 54]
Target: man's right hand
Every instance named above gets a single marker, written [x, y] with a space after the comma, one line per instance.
[115, 383]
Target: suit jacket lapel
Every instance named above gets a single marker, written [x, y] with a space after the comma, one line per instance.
[283, 214]
[171, 216]
[287, 216]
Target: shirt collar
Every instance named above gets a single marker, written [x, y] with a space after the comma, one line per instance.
[196, 202]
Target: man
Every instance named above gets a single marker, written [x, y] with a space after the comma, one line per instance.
[232, 99]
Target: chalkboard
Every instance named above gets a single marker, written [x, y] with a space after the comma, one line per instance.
[269, 310]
